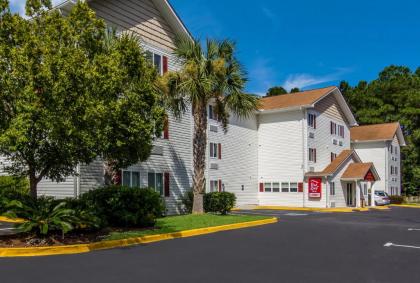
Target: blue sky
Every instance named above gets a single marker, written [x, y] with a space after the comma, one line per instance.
[309, 44]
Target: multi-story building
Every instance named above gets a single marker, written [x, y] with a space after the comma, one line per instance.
[294, 151]
[381, 144]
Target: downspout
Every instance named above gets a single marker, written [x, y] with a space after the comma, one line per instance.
[303, 155]
[77, 181]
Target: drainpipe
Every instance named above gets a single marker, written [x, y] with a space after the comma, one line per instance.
[303, 155]
[77, 181]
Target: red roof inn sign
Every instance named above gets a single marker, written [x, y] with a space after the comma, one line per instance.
[314, 187]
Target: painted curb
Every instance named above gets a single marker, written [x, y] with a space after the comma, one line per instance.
[380, 208]
[305, 209]
[405, 205]
[11, 220]
[84, 248]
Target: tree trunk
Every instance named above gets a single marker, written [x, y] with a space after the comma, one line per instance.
[112, 176]
[199, 153]
[33, 184]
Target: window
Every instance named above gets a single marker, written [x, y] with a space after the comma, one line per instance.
[396, 150]
[211, 114]
[337, 130]
[312, 154]
[396, 170]
[155, 180]
[391, 149]
[333, 156]
[312, 120]
[332, 189]
[293, 187]
[159, 61]
[341, 131]
[276, 187]
[213, 150]
[267, 187]
[333, 128]
[284, 187]
[392, 170]
[214, 185]
[131, 179]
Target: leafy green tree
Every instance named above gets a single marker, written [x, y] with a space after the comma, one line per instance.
[71, 92]
[295, 89]
[393, 96]
[276, 90]
[208, 74]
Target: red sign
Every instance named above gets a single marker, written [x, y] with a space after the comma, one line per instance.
[314, 187]
[369, 176]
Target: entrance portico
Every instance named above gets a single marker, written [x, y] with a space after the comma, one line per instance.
[360, 179]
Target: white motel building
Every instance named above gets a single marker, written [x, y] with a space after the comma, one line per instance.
[303, 149]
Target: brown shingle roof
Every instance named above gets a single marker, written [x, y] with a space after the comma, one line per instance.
[334, 165]
[357, 170]
[294, 99]
[374, 132]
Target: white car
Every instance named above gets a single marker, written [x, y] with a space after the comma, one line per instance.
[381, 198]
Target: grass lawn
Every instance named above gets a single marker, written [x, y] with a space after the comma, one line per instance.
[185, 222]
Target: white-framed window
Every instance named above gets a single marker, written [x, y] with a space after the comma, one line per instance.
[213, 150]
[212, 113]
[332, 189]
[336, 130]
[276, 187]
[159, 61]
[396, 170]
[312, 120]
[131, 178]
[391, 149]
[312, 155]
[155, 181]
[284, 187]
[267, 187]
[214, 185]
[293, 187]
[396, 149]
[333, 156]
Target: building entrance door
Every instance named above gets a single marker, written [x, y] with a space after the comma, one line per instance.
[350, 195]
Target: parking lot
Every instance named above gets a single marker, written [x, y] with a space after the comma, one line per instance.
[301, 247]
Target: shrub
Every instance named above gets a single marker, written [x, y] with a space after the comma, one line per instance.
[18, 184]
[187, 201]
[122, 206]
[10, 194]
[44, 216]
[394, 199]
[221, 202]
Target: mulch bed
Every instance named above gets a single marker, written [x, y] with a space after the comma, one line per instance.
[23, 240]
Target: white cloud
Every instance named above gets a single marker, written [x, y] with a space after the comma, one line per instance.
[304, 80]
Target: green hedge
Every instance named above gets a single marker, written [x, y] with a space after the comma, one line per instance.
[118, 206]
[394, 199]
[9, 194]
[216, 202]
[14, 183]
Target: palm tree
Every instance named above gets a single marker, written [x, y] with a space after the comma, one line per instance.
[210, 74]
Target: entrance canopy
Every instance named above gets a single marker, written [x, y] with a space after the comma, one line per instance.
[360, 172]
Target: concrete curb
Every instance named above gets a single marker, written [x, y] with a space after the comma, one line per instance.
[84, 248]
[319, 209]
[405, 205]
[10, 220]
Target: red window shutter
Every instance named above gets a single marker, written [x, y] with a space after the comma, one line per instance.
[220, 185]
[300, 187]
[220, 150]
[314, 121]
[166, 184]
[118, 178]
[261, 187]
[331, 128]
[166, 129]
[165, 64]
[315, 155]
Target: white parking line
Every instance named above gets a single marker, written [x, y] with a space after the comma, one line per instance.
[4, 229]
[296, 214]
[413, 229]
[401, 246]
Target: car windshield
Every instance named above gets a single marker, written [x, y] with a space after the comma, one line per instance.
[381, 194]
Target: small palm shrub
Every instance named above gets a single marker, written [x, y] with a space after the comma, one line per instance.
[219, 202]
[10, 194]
[45, 216]
[118, 206]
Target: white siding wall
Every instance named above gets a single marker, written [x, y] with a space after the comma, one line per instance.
[376, 152]
[238, 165]
[394, 159]
[280, 156]
[327, 110]
[66, 189]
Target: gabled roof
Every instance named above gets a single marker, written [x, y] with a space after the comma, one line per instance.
[377, 132]
[163, 6]
[336, 163]
[305, 99]
[358, 171]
